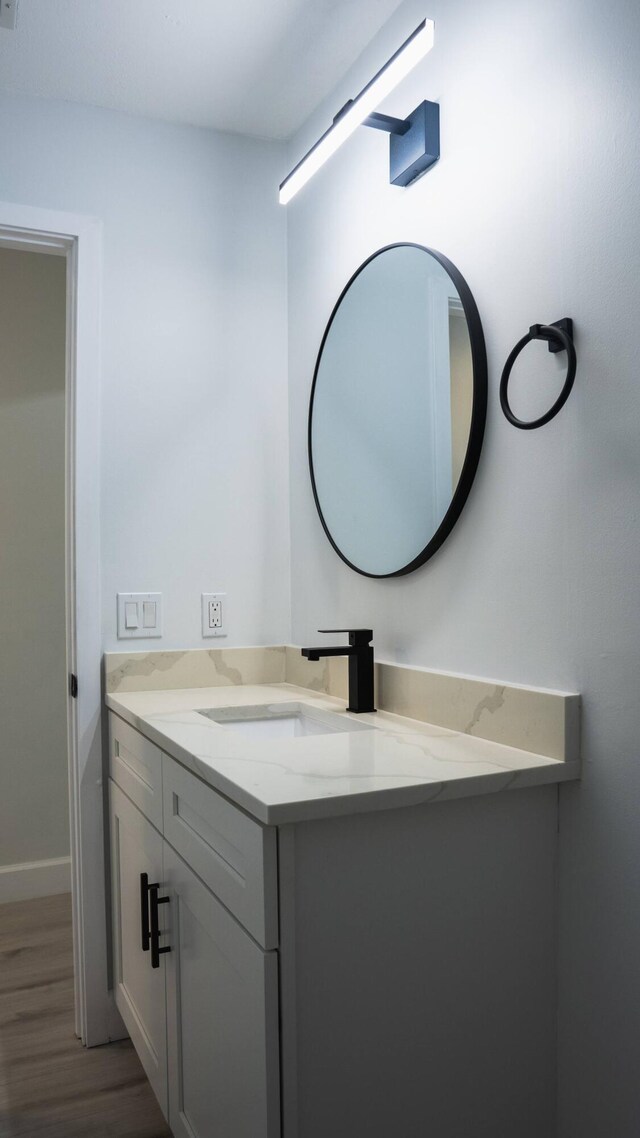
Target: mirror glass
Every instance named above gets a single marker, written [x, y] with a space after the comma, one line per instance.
[397, 410]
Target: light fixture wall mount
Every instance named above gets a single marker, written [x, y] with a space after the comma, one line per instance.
[415, 147]
[414, 142]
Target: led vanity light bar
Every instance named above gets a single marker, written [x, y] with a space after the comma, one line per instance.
[358, 110]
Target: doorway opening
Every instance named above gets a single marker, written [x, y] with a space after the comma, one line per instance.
[50, 627]
[35, 856]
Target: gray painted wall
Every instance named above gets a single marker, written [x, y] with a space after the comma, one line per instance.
[535, 199]
[34, 800]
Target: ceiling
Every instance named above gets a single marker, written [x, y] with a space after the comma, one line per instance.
[258, 67]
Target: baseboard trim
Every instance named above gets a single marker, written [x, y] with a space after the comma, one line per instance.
[35, 879]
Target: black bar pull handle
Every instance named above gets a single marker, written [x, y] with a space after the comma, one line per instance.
[144, 911]
[156, 901]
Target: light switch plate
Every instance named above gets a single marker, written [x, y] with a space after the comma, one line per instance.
[214, 614]
[8, 14]
[139, 615]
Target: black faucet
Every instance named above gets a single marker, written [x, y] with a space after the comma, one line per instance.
[360, 653]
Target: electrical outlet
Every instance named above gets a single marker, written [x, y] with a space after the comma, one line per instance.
[214, 614]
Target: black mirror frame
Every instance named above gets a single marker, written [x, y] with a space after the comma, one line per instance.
[478, 411]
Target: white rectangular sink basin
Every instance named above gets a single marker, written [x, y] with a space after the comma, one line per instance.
[281, 721]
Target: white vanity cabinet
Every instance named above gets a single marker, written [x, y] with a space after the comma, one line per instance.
[378, 972]
[204, 1020]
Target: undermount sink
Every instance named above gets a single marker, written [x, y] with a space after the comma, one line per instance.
[281, 720]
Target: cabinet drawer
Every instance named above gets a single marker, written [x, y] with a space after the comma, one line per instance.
[135, 765]
[235, 856]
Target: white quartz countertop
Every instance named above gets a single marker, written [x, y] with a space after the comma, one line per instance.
[398, 762]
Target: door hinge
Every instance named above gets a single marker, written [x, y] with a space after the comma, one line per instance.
[73, 686]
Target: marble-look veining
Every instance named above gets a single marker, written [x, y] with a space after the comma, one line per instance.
[215, 667]
[329, 676]
[530, 719]
[398, 762]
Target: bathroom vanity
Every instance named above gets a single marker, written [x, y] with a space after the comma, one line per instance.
[328, 924]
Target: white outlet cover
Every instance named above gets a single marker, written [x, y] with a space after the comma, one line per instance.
[207, 629]
[138, 608]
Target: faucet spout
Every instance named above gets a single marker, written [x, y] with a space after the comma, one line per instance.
[361, 670]
[316, 653]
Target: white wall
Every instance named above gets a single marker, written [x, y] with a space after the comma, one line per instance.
[34, 802]
[535, 200]
[195, 479]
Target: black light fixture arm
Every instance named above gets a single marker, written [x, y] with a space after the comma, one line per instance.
[380, 122]
[409, 156]
[387, 123]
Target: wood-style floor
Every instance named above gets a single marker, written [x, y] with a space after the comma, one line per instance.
[50, 1085]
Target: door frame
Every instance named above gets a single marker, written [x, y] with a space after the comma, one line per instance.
[79, 240]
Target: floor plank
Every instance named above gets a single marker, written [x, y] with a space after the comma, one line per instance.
[50, 1085]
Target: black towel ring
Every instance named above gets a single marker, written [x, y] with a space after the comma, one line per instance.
[560, 338]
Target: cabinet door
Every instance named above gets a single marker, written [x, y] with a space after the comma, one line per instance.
[222, 1018]
[136, 849]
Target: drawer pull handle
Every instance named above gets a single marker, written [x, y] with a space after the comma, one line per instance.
[144, 912]
[156, 901]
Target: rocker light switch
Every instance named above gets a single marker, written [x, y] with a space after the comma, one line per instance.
[8, 14]
[148, 614]
[139, 615]
[131, 614]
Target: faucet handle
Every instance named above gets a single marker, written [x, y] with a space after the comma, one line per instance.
[358, 637]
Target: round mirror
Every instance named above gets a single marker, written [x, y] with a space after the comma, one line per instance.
[398, 407]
